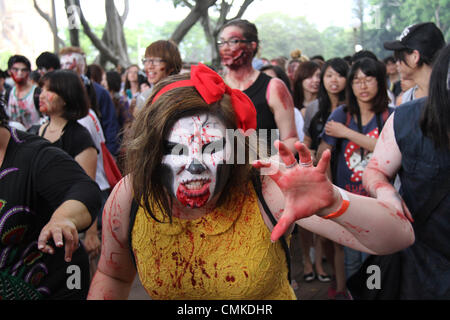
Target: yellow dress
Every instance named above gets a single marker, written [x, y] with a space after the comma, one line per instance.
[226, 254]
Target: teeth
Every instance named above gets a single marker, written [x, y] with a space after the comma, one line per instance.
[194, 184]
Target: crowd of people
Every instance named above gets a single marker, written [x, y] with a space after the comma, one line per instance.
[347, 154]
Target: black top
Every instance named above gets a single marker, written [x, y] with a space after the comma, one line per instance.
[74, 139]
[264, 118]
[35, 179]
[257, 93]
[424, 176]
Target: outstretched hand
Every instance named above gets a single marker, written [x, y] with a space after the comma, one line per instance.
[63, 232]
[306, 188]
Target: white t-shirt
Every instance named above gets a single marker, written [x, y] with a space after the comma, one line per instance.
[92, 123]
[299, 122]
[23, 110]
[409, 94]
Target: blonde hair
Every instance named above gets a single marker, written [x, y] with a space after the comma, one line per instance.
[297, 55]
[69, 50]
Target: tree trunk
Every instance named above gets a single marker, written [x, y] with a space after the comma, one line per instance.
[73, 13]
[51, 20]
[114, 36]
[109, 46]
[197, 11]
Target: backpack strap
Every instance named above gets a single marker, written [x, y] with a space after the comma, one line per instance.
[133, 212]
[381, 119]
[7, 93]
[348, 119]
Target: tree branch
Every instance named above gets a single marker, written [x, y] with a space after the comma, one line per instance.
[242, 9]
[98, 43]
[51, 22]
[188, 4]
[124, 16]
[201, 6]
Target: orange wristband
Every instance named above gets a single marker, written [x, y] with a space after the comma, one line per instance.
[344, 206]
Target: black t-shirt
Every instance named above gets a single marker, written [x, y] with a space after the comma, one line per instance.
[74, 140]
[264, 116]
[35, 179]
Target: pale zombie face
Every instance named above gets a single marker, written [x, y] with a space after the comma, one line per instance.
[73, 61]
[235, 54]
[20, 73]
[195, 157]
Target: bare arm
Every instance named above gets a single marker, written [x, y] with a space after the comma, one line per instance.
[339, 130]
[281, 103]
[115, 271]
[305, 193]
[87, 159]
[383, 166]
[70, 217]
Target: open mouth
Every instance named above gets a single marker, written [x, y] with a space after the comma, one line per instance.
[194, 193]
[195, 187]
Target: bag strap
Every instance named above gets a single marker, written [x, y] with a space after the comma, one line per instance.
[133, 212]
[381, 119]
[258, 188]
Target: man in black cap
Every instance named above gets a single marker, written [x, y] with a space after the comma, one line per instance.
[415, 51]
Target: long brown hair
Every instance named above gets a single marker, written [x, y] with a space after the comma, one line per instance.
[146, 143]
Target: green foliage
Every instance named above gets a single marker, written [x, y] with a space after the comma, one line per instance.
[85, 43]
[390, 17]
[4, 57]
[280, 33]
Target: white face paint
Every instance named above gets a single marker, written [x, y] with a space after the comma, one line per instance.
[73, 61]
[197, 145]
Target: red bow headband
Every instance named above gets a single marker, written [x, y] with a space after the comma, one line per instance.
[211, 88]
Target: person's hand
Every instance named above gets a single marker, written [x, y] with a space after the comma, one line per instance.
[92, 244]
[336, 129]
[63, 231]
[306, 188]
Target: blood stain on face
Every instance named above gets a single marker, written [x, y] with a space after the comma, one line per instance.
[235, 56]
[194, 171]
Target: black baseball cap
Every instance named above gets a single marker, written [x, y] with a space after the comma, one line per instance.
[423, 37]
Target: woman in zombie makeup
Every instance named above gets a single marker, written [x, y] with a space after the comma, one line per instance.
[238, 44]
[21, 100]
[202, 226]
[415, 144]
[64, 100]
